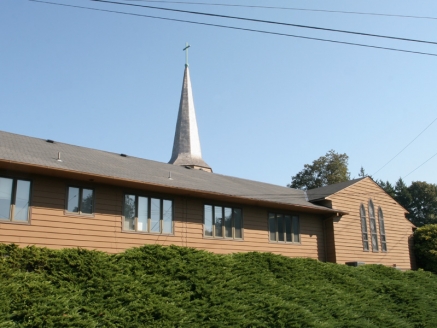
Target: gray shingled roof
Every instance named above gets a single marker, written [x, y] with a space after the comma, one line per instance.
[322, 192]
[39, 152]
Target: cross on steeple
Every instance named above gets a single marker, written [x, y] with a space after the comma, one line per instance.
[186, 53]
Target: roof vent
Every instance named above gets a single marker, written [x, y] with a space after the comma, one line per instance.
[123, 155]
[50, 141]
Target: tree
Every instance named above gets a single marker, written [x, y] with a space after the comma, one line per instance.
[399, 191]
[423, 204]
[388, 188]
[419, 199]
[363, 174]
[326, 170]
[425, 247]
[402, 194]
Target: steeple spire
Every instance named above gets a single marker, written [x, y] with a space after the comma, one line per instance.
[186, 146]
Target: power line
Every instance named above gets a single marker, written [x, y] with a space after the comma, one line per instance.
[420, 165]
[267, 22]
[406, 146]
[287, 8]
[242, 29]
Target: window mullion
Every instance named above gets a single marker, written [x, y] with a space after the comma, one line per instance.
[223, 223]
[284, 228]
[79, 206]
[149, 212]
[213, 221]
[13, 199]
[14, 191]
[276, 226]
[136, 214]
[232, 223]
[161, 214]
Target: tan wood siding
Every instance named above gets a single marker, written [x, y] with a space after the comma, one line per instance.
[51, 226]
[347, 231]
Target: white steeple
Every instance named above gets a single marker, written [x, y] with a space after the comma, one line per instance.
[186, 146]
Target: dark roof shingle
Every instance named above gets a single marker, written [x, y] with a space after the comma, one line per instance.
[322, 192]
[39, 152]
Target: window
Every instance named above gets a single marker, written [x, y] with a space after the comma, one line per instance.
[147, 214]
[80, 200]
[382, 230]
[284, 228]
[223, 222]
[14, 199]
[364, 233]
[373, 227]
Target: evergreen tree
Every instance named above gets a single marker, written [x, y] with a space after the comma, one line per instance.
[419, 199]
[388, 188]
[363, 174]
[402, 194]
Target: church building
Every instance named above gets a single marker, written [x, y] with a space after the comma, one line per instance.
[58, 195]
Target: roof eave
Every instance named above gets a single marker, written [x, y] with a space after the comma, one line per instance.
[129, 183]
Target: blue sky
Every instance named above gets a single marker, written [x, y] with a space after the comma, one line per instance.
[266, 105]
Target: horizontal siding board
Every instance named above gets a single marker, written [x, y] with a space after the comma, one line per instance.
[348, 237]
[52, 227]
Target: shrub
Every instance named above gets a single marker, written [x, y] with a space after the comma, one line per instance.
[156, 286]
[425, 247]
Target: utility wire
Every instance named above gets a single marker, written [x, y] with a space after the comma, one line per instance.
[286, 8]
[266, 21]
[405, 146]
[242, 29]
[421, 165]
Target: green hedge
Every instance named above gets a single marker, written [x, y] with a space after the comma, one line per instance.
[154, 286]
[425, 247]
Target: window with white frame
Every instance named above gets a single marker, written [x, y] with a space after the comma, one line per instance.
[284, 228]
[147, 214]
[14, 199]
[223, 222]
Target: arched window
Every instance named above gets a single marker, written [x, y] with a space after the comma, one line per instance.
[364, 228]
[373, 226]
[382, 230]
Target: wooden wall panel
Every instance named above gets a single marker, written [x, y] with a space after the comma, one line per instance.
[52, 227]
[347, 231]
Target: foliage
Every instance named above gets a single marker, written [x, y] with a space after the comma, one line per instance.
[388, 188]
[154, 286]
[423, 206]
[363, 174]
[402, 194]
[326, 170]
[420, 199]
[425, 247]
